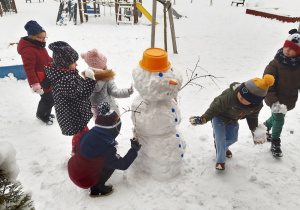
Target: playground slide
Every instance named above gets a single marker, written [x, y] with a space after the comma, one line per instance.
[145, 12]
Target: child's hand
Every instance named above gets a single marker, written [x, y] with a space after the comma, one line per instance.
[130, 90]
[90, 74]
[195, 120]
[37, 88]
[135, 144]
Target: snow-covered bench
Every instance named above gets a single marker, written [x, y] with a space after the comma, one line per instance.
[238, 2]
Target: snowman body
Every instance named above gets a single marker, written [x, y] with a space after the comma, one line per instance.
[156, 117]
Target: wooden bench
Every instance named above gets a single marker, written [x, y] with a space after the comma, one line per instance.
[238, 2]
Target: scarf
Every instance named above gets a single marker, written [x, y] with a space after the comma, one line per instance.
[289, 61]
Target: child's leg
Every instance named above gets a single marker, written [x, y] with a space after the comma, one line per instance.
[105, 175]
[45, 105]
[77, 136]
[278, 122]
[219, 129]
[232, 131]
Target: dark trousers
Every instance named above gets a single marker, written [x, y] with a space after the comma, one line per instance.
[45, 105]
[105, 175]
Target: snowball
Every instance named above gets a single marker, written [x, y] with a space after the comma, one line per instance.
[278, 108]
[259, 135]
[8, 160]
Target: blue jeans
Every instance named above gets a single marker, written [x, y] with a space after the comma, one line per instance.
[225, 135]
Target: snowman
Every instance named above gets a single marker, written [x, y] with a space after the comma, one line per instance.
[156, 115]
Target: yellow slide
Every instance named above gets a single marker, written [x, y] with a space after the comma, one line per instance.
[145, 12]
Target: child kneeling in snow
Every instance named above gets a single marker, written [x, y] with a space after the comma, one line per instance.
[237, 102]
[96, 157]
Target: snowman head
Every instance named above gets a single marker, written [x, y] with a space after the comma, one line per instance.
[154, 78]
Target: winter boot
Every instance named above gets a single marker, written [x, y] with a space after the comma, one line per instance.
[101, 190]
[275, 148]
[229, 154]
[268, 134]
[220, 166]
[47, 120]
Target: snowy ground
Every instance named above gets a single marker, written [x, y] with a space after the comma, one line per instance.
[230, 44]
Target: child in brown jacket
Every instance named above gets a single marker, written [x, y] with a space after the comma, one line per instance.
[283, 95]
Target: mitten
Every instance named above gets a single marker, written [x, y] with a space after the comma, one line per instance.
[278, 108]
[90, 74]
[36, 87]
[195, 120]
[135, 144]
[130, 90]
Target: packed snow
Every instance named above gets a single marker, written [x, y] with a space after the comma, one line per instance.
[230, 45]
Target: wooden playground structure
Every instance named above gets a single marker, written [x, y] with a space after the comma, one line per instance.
[7, 6]
[125, 10]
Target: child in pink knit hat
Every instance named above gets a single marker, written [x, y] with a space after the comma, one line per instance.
[106, 89]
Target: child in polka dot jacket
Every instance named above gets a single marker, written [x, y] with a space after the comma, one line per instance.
[71, 92]
[106, 89]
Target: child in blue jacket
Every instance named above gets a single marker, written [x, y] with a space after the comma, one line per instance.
[96, 157]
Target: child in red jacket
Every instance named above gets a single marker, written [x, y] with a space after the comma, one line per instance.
[96, 157]
[35, 56]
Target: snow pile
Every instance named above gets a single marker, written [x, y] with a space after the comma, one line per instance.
[8, 160]
[259, 135]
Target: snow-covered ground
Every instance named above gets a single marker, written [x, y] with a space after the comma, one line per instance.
[229, 45]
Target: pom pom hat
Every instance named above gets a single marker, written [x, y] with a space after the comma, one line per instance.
[293, 41]
[33, 28]
[94, 59]
[63, 54]
[255, 90]
[106, 118]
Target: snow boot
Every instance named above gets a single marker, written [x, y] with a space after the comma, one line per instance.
[229, 154]
[101, 190]
[47, 120]
[220, 166]
[275, 148]
[268, 134]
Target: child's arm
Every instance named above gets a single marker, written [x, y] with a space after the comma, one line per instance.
[114, 91]
[271, 96]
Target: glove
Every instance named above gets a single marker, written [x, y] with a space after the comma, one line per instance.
[130, 90]
[90, 74]
[195, 120]
[135, 144]
[36, 87]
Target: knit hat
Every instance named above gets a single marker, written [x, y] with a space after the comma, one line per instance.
[94, 59]
[63, 54]
[106, 118]
[33, 28]
[255, 90]
[293, 41]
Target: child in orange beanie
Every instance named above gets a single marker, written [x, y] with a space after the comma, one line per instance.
[240, 101]
[282, 97]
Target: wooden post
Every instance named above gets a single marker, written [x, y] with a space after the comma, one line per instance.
[85, 10]
[299, 27]
[153, 23]
[172, 27]
[14, 4]
[1, 12]
[80, 11]
[165, 26]
[135, 14]
[95, 8]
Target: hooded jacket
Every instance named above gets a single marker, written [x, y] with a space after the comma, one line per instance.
[228, 108]
[71, 95]
[286, 86]
[34, 58]
[93, 151]
[106, 90]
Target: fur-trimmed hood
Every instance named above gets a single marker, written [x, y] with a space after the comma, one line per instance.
[102, 75]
